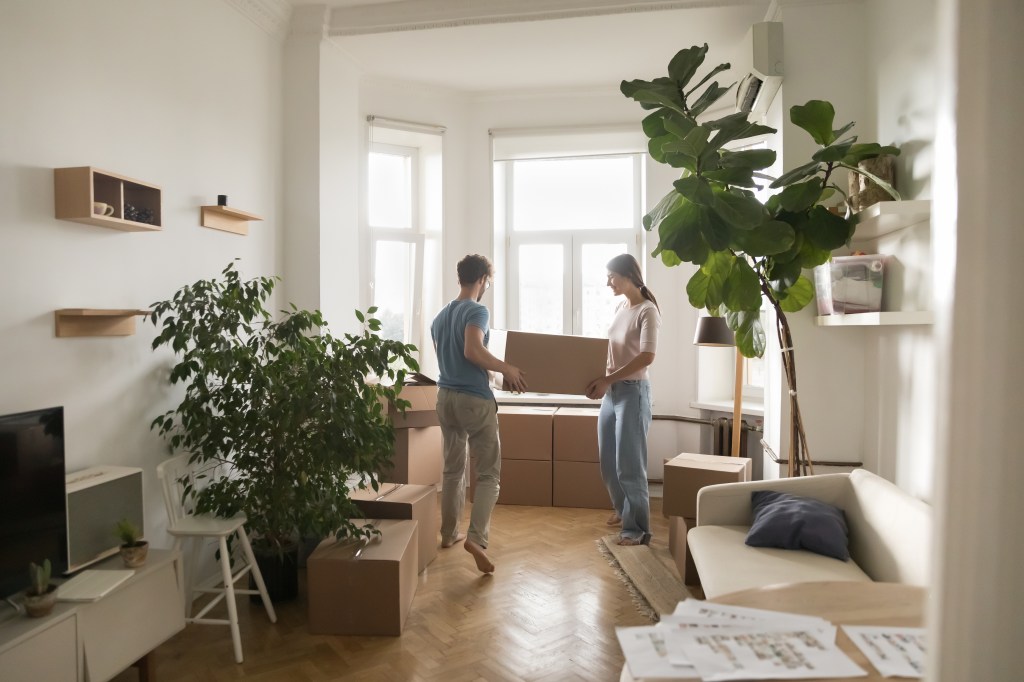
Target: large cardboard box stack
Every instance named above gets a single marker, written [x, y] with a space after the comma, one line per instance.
[553, 363]
[525, 434]
[419, 449]
[359, 588]
[405, 501]
[576, 468]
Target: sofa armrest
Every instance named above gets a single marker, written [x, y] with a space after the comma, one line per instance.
[728, 504]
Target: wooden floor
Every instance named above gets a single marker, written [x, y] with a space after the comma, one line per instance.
[547, 614]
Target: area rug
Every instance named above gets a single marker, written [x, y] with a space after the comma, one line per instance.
[655, 587]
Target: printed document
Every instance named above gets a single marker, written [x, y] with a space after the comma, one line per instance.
[895, 652]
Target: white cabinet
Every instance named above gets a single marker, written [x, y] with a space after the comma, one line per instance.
[33, 649]
[94, 641]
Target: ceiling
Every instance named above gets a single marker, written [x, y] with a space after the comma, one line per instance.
[523, 51]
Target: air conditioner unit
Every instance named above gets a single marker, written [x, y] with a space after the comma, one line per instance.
[759, 68]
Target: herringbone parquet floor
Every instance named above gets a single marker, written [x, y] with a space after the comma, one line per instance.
[548, 614]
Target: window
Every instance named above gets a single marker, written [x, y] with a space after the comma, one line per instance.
[403, 222]
[563, 219]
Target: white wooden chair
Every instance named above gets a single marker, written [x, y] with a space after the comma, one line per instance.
[183, 524]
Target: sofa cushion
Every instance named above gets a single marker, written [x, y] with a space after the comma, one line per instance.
[726, 564]
[790, 521]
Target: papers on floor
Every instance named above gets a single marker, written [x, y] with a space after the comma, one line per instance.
[717, 643]
[895, 652]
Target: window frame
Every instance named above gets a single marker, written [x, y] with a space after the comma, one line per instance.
[572, 242]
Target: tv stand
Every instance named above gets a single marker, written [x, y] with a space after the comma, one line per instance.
[97, 640]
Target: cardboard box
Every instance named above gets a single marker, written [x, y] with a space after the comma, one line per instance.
[422, 412]
[579, 484]
[553, 363]
[405, 501]
[678, 527]
[418, 457]
[687, 473]
[525, 432]
[363, 589]
[523, 481]
[575, 435]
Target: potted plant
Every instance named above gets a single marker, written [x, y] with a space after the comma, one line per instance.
[41, 595]
[746, 249]
[133, 548]
[285, 406]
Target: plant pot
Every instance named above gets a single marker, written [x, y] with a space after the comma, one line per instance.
[38, 605]
[280, 573]
[134, 555]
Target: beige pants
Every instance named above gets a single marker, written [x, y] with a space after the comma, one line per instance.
[468, 419]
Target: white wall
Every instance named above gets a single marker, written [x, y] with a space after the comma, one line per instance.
[193, 107]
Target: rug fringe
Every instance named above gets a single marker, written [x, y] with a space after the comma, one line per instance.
[639, 601]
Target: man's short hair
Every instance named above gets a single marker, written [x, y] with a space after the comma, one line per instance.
[473, 267]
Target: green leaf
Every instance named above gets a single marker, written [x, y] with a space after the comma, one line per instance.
[754, 159]
[767, 239]
[748, 332]
[655, 145]
[735, 177]
[797, 198]
[825, 229]
[680, 233]
[716, 231]
[717, 267]
[782, 275]
[868, 150]
[834, 152]
[875, 179]
[359, 316]
[685, 63]
[742, 290]
[712, 94]
[651, 95]
[695, 142]
[697, 289]
[669, 258]
[811, 256]
[678, 124]
[654, 124]
[797, 296]
[799, 173]
[836, 134]
[740, 211]
[714, 72]
[695, 189]
[667, 204]
[816, 118]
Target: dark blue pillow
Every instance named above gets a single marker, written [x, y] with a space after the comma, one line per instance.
[793, 522]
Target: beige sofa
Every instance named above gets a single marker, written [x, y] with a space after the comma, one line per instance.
[889, 535]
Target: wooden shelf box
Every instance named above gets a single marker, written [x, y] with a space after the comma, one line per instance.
[95, 322]
[77, 189]
[226, 219]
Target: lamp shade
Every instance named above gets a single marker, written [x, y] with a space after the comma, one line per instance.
[713, 331]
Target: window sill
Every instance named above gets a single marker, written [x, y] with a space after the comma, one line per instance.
[749, 407]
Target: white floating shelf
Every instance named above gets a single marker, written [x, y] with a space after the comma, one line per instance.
[876, 319]
[886, 217]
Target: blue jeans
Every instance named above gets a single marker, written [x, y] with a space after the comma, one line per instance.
[622, 428]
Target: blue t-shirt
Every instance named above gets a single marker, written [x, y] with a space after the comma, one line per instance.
[449, 333]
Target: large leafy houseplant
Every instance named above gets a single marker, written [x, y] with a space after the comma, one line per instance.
[746, 249]
[282, 403]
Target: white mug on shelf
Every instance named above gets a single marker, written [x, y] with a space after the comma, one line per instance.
[100, 208]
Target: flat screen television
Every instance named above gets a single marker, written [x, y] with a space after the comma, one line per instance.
[33, 517]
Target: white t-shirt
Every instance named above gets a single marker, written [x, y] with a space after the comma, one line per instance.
[633, 331]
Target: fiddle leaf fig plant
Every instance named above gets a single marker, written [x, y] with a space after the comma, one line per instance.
[283, 403]
[746, 250]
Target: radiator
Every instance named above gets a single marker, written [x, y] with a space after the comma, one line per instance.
[721, 437]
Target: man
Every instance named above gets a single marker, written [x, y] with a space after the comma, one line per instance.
[467, 409]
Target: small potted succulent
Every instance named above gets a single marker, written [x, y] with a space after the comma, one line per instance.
[41, 596]
[133, 547]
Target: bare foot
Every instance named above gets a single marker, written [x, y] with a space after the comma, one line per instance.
[456, 540]
[630, 542]
[613, 520]
[482, 562]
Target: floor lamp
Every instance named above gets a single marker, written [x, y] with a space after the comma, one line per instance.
[713, 331]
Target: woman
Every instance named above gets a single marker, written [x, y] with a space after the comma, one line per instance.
[625, 413]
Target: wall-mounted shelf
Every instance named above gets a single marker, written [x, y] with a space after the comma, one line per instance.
[909, 317]
[136, 205]
[886, 217]
[95, 321]
[226, 219]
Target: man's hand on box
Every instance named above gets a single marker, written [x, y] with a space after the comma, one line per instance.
[515, 378]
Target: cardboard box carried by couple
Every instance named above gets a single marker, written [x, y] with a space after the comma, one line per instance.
[553, 363]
